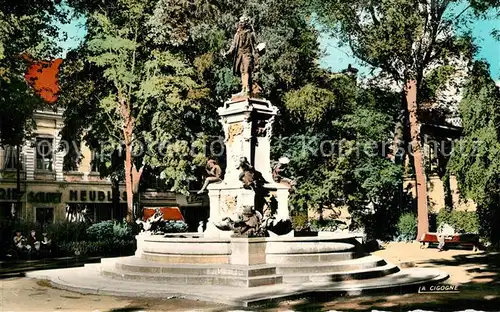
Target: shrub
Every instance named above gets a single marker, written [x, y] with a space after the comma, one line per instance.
[330, 225]
[122, 230]
[106, 238]
[174, 227]
[101, 248]
[300, 222]
[407, 227]
[461, 221]
[62, 232]
[101, 231]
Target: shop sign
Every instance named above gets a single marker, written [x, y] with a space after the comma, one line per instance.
[45, 197]
[8, 194]
[93, 196]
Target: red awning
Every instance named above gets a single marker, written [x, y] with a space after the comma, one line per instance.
[169, 213]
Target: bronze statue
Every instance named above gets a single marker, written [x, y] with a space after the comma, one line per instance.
[214, 174]
[246, 224]
[251, 178]
[245, 51]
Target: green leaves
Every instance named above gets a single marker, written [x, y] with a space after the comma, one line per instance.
[476, 157]
[401, 37]
[336, 145]
[310, 103]
[25, 30]
[140, 94]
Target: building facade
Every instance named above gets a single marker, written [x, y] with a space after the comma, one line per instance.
[48, 193]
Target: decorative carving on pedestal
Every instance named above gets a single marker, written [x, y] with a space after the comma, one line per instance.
[233, 131]
[248, 202]
[229, 204]
[247, 129]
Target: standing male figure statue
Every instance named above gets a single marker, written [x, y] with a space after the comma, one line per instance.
[244, 49]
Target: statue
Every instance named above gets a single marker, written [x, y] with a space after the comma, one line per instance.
[246, 224]
[251, 223]
[251, 178]
[277, 167]
[245, 51]
[153, 223]
[214, 174]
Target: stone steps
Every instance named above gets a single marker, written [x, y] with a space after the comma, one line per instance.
[137, 265]
[89, 280]
[137, 269]
[368, 262]
[180, 279]
[310, 258]
[361, 274]
[185, 259]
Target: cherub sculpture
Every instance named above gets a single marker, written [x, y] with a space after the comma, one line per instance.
[251, 178]
[214, 173]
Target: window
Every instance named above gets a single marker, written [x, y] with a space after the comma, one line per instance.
[44, 215]
[44, 153]
[7, 210]
[96, 161]
[10, 157]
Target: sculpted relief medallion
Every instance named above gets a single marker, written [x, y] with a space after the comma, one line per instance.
[229, 204]
[233, 131]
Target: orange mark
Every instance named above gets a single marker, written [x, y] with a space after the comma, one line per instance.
[42, 76]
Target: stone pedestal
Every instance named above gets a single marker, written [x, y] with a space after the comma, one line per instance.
[247, 124]
[248, 251]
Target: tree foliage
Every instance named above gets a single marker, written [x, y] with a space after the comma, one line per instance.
[25, 30]
[182, 41]
[403, 38]
[339, 149]
[475, 159]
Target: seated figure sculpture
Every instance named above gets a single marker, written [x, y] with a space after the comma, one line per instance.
[251, 178]
[214, 174]
[277, 168]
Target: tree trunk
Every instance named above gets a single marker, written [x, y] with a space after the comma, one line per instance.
[418, 158]
[128, 130]
[136, 177]
[128, 182]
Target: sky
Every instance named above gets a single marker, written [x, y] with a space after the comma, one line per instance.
[337, 58]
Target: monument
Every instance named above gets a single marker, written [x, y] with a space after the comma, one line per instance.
[248, 127]
[248, 253]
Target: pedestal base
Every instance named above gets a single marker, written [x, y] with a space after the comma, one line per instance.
[228, 200]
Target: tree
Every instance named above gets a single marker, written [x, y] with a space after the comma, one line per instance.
[26, 30]
[476, 157]
[405, 39]
[184, 110]
[335, 123]
[144, 94]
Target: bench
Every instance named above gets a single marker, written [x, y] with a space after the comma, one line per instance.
[470, 240]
